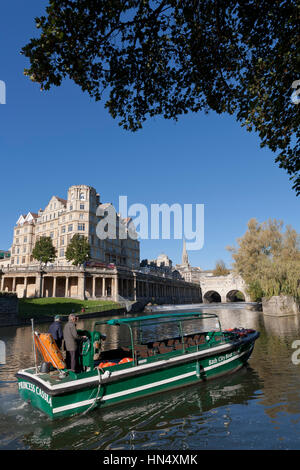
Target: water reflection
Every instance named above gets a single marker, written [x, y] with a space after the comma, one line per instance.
[172, 420]
[257, 407]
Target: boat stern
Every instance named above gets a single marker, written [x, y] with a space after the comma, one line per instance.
[31, 391]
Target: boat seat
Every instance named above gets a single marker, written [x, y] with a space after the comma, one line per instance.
[141, 350]
[200, 339]
[177, 344]
[165, 349]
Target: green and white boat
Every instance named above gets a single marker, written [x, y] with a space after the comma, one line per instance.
[163, 352]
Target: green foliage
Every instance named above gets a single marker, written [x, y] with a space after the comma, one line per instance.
[44, 251]
[220, 269]
[78, 250]
[255, 291]
[268, 259]
[171, 57]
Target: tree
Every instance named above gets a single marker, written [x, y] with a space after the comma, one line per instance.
[78, 250]
[220, 269]
[268, 259]
[44, 251]
[168, 57]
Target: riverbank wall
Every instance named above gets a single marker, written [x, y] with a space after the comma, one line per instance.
[280, 306]
[9, 309]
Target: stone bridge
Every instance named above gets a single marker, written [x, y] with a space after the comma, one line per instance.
[230, 288]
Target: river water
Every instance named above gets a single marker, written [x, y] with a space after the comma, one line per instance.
[257, 407]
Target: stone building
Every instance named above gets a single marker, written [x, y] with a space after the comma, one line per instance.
[63, 218]
[113, 271]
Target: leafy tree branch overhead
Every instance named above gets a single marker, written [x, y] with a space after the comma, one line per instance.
[170, 57]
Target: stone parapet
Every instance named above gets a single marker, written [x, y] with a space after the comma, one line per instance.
[280, 306]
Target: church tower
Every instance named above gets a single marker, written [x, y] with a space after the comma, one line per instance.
[185, 258]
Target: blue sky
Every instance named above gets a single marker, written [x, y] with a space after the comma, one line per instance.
[51, 140]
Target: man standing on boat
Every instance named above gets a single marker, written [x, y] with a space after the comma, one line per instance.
[55, 330]
[71, 338]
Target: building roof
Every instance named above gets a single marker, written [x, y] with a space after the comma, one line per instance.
[63, 201]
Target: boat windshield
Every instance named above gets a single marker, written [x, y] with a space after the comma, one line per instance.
[165, 326]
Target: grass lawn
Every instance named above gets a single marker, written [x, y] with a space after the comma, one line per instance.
[35, 308]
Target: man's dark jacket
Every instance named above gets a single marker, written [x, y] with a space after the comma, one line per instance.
[56, 331]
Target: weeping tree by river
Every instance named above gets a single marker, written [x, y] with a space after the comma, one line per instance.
[268, 259]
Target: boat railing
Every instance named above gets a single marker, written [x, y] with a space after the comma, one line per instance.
[183, 342]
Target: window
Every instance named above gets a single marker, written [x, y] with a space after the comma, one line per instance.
[70, 228]
[81, 216]
[71, 207]
[62, 252]
[25, 239]
[82, 207]
[62, 242]
[63, 229]
[51, 234]
[82, 196]
[81, 227]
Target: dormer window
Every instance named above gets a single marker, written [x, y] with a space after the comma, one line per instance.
[82, 196]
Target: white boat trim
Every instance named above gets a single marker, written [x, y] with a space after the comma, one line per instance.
[145, 387]
[88, 380]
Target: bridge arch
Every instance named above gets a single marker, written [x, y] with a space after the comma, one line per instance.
[211, 296]
[235, 295]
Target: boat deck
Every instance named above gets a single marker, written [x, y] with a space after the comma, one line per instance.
[144, 353]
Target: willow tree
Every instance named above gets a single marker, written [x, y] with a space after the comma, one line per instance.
[220, 269]
[268, 259]
[169, 57]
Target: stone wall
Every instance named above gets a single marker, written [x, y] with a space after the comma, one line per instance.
[9, 307]
[280, 306]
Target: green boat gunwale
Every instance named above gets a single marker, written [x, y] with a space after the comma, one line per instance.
[75, 385]
[236, 348]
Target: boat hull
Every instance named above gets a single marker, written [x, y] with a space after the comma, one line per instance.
[90, 390]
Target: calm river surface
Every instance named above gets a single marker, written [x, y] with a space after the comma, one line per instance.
[258, 407]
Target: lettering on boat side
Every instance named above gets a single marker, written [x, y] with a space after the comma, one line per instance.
[34, 389]
[220, 358]
[156, 459]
